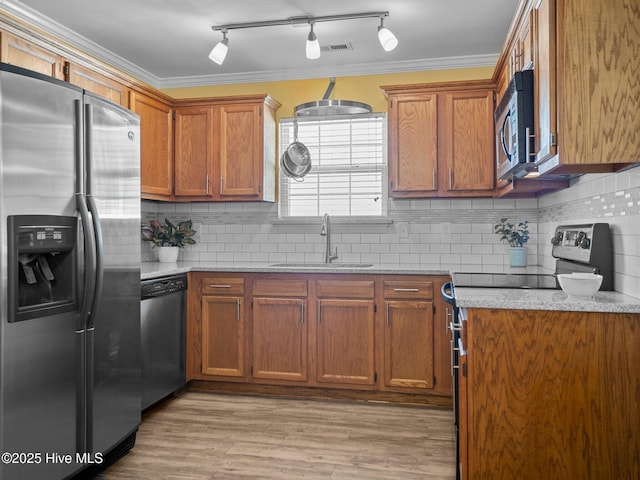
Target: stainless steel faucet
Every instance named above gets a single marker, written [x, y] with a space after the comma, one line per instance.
[325, 231]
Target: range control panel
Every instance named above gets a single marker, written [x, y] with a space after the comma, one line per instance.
[588, 243]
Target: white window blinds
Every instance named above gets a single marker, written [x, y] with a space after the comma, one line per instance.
[348, 173]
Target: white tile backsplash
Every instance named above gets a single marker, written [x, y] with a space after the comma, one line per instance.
[433, 233]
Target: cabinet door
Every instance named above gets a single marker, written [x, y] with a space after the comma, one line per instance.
[345, 342]
[223, 336]
[466, 142]
[545, 114]
[156, 144]
[193, 152]
[413, 145]
[96, 83]
[408, 344]
[524, 42]
[280, 338]
[22, 53]
[240, 151]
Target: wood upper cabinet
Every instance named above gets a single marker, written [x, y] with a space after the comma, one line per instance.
[466, 143]
[545, 116]
[156, 145]
[413, 144]
[409, 334]
[23, 53]
[193, 169]
[280, 329]
[223, 327]
[441, 140]
[225, 149]
[550, 395]
[345, 332]
[587, 96]
[96, 83]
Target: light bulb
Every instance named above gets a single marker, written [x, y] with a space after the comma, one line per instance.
[387, 39]
[219, 52]
[313, 45]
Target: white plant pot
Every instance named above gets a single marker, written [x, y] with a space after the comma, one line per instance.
[518, 256]
[168, 254]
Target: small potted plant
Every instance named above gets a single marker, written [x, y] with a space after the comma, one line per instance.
[516, 237]
[169, 238]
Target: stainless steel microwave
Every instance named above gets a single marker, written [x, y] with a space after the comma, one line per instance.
[514, 128]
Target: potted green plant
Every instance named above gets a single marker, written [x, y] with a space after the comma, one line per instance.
[516, 237]
[168, 238]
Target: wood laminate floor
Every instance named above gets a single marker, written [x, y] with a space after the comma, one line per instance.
[202, 436]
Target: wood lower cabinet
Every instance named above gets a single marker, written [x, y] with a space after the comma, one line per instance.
[345, 341]
[223, 327]
[280, 330]
[550, 395]
[409, 334]
[354, 332]
[441, 140]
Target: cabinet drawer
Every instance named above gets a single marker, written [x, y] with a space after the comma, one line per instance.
[271, 287]
[344, 289]
[223, 286]
[408, 289]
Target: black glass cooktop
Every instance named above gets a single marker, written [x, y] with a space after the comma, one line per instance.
[504, 280]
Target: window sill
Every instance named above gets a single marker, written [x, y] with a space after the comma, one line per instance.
[334, 221]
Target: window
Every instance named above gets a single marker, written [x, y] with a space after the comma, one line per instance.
[348, 173]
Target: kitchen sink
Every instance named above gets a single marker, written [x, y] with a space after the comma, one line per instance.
[322, 265]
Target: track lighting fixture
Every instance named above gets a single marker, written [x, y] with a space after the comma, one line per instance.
[387, 39]
[219, 52]
[313, 45]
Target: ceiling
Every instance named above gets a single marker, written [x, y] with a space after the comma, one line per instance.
[167, 42]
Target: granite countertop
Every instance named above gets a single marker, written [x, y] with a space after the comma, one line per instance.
[557, 300]
[515, 299]
[151, 270]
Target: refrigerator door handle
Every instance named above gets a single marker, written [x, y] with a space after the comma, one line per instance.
[93, 210]
[90, 262]
[87, 225]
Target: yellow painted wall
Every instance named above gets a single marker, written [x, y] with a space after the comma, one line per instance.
[364, 88]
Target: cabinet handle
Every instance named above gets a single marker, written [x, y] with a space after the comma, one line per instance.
[207, 184]
[406, 289]
[302, 311]
[220, 184]
[435, 178]
[219, 286]
[450, 179]
[461, 351]
[386, 313]
[318, 312]
[238, 304]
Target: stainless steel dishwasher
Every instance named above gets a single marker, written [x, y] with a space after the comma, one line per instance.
[163, 309]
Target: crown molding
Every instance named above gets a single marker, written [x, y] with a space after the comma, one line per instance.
[444, 63]
[83, 44]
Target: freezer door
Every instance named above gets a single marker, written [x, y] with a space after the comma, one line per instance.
[113, 195]
[38, 356]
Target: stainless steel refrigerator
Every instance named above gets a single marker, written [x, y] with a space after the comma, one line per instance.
[69, 278]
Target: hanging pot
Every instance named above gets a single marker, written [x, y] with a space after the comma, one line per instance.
[296, 159]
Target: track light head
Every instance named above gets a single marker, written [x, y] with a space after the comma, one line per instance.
[219, 52]
[313, 45]
[387, 39]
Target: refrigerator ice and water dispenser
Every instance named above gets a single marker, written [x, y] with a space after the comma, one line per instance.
[41, 265]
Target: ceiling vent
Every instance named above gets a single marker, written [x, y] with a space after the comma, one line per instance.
[339, 47]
